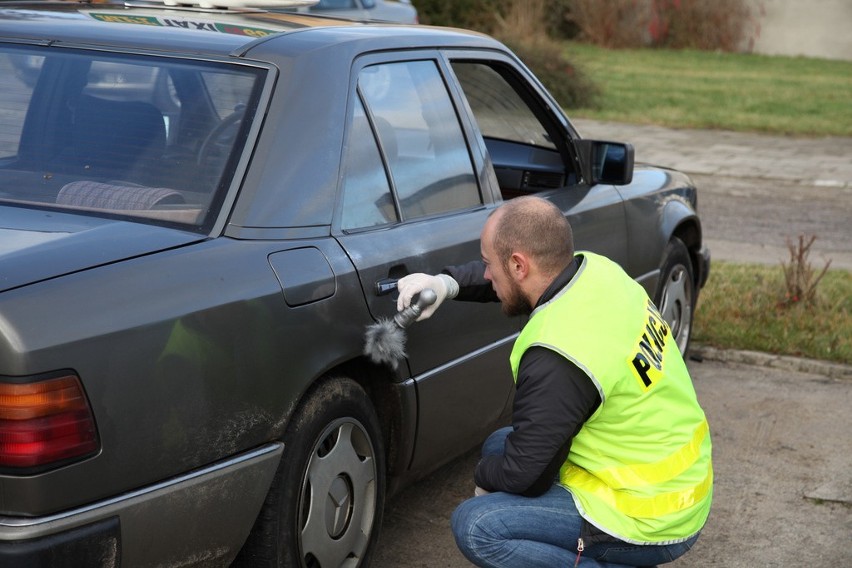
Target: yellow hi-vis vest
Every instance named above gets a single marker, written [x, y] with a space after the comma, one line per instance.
[639, 468]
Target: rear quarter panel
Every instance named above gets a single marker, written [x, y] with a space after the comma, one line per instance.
[187, 357]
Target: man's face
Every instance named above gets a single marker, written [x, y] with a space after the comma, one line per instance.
[508, 290]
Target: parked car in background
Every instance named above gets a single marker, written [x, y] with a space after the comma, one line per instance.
[200, 211]
[376, 10]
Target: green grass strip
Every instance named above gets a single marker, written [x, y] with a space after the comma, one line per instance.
[731, 91]
[744, 306]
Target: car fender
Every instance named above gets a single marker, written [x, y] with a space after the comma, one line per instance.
[659, 204]
[679, 218]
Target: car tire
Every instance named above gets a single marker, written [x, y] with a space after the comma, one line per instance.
[675, 297]
[324, 509]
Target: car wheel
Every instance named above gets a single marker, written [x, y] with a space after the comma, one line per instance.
[325, 507]
[675, 296]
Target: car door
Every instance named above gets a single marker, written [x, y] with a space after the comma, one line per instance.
[415, 196]
[528, 141]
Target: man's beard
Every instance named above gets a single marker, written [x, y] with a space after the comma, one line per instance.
[515, 303]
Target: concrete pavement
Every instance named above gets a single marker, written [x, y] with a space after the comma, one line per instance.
[760, 189]
[818, 162]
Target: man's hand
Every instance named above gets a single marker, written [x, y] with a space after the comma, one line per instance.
[443, 285]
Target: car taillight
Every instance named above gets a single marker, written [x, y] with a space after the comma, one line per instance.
[45, 421]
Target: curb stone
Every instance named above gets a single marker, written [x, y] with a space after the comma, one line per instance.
[813, 366]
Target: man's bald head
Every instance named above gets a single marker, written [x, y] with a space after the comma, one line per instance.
[535, 227]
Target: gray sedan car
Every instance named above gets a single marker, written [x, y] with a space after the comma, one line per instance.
[201, 211]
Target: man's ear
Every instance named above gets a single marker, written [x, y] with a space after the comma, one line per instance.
[519, 266]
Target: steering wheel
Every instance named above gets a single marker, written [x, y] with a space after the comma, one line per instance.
[221, 137]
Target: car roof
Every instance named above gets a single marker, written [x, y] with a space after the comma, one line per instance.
[152, 26]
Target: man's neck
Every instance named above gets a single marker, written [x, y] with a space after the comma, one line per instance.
[557, 283]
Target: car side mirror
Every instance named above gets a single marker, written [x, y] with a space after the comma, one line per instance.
[606, 162]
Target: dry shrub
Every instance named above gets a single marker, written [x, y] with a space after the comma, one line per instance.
[523, 20]
[483, 15]
[611, 23]
[468, 14]
[698, 24]
[521, 29]
[718, 25]
[800, 279]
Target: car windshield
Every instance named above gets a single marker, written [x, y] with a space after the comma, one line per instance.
[146, 138]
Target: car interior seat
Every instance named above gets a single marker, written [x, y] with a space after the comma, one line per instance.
[112, 139]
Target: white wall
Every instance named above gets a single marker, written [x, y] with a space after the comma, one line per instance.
[813, 28]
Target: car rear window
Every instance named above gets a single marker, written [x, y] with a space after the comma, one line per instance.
[148, 138]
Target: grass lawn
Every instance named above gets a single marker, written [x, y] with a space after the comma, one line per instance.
[697, 89]
[743, 306]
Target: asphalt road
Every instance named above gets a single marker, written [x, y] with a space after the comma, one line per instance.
[782, 443]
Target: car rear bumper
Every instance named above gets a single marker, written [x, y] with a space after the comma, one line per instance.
[95, 544]
[201, 518]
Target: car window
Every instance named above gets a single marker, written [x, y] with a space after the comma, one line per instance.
[147, 138]
[499, 109]
[514, 127]
[367, 199]
[425, 148]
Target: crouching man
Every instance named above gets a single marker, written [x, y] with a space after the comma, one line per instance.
[608, 458]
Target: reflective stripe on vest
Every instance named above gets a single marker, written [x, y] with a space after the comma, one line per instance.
[658, 472]
[639, 506]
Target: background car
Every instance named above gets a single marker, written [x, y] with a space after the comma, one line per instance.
[376, 10]
[202, 211]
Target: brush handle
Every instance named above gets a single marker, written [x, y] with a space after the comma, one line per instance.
[409, 315]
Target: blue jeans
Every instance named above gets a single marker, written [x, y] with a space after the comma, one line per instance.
[504, 530]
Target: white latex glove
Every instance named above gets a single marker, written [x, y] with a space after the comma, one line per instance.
[443, 285]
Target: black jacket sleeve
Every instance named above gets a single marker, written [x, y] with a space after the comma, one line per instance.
[473, 287]
[554, 398]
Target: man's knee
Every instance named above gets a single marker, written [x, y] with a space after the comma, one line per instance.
[460, 520]
[463, 523]
[470, 520]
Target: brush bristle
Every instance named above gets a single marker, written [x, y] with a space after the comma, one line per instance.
[385, 343]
